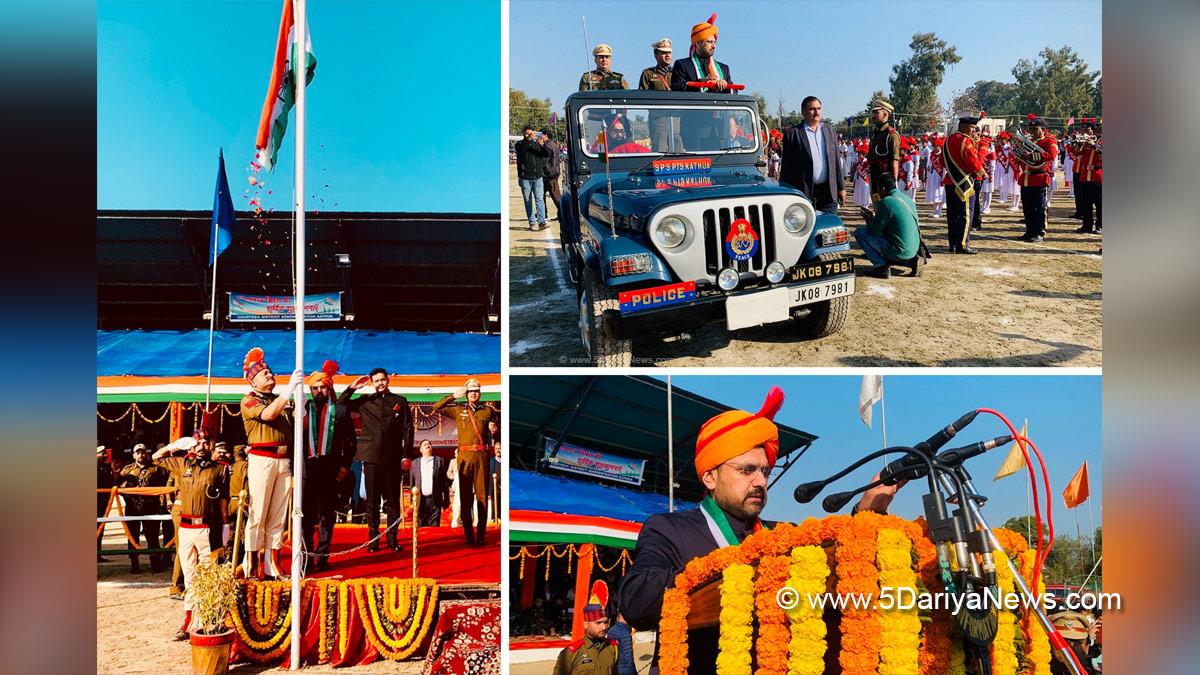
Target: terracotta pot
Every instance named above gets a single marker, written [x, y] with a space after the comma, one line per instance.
[210, 653]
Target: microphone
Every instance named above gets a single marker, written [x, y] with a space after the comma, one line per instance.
[912, 468]
[806, 492]
[836, 501]
[943, 436]
[957, 456]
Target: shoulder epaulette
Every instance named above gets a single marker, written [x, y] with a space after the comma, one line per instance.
[574, 646]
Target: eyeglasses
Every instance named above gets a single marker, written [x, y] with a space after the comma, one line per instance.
[748, 470]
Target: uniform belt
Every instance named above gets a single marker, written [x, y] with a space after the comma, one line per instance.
[473, 448]
[267, 449]
[191, 521]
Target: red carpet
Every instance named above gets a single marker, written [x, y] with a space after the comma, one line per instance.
[442, 554]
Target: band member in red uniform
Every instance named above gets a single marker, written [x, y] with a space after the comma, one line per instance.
[963, 171]
[1090, 169]
[1035, 179]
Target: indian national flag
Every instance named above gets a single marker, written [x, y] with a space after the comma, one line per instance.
[281, 92]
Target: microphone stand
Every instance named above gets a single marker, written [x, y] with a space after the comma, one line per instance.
[972, 505]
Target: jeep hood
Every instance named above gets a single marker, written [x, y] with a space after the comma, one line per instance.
[634, 197]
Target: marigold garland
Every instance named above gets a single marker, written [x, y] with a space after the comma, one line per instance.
[264, 630]
[808, 572]
[395, 639]
[901, 628]
[771, 647]
[737, 616]
[1004, 654]
[1037, 643]
[930, 646]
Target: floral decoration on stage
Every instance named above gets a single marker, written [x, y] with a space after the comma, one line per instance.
[850, 555]
[397, 613]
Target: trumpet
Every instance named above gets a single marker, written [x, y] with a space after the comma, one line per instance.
[1024, 149]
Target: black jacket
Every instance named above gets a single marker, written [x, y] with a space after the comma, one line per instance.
[441, 483]
[797, 169]
[552, 167]
[531, 157]
[388, 424]
[666, 544]
[684, 71]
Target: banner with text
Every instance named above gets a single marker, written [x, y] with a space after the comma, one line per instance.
[597, 464]
[317, 307]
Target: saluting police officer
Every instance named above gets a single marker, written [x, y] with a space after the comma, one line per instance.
[883, 151]
[603, 76]
[471, 421]
[203, 494]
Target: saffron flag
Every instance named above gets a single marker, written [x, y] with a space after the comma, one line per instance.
[1070, 120]
[602, 144]
[1016, 459]
[281, 92]
[1077, 490]
[223, 217]
[869, 394]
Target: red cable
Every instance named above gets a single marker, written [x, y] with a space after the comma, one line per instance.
[1049, 513]
[1040, 556]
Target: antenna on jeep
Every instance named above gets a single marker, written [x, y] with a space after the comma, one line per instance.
[587, 50]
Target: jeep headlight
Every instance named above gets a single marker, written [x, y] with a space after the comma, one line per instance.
[670, 232]
[798, 219]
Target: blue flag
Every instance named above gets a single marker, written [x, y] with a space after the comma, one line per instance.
[223, 217]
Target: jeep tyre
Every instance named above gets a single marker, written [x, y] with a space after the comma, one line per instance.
[594, 299]
[825, 318]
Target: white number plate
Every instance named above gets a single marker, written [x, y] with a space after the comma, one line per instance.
[826, 290]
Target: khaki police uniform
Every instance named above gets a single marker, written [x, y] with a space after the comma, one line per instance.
[587, 656]
[268, 474]
[471, 422]
[597, 79]
[203, 489]
[136, 475]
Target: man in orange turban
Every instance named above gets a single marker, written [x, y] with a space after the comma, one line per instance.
[701, 65]
[329, 446]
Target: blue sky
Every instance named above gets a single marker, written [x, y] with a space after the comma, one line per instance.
[1064, 421]
[839, 51]
[403, 113]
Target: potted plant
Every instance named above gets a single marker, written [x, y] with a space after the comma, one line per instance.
[214, 589]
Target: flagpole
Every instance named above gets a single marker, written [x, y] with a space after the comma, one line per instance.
[670, 452]
[1028, 497]
[299, 80]
[1092, 529]
[1078, 536]
[212, 314]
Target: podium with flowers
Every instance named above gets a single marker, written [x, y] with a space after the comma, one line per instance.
[737, 589]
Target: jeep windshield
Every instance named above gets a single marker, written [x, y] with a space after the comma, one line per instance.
[667, 130]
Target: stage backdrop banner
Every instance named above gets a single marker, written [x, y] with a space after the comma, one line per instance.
[598, 464]
[317, 307]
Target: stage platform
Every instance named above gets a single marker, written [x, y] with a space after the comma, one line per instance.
[442, 554]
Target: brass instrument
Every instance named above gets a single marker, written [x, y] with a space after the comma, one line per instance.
[1024, 149]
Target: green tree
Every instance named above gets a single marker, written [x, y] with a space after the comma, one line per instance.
[1059, 85]
[523, 109]
[1097, 96]
[915, 81]
[1026, 526]
[998, 99]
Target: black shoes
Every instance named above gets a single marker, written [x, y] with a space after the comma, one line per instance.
[967, 250]
[914, 266]
[373, 547]
[880, 272]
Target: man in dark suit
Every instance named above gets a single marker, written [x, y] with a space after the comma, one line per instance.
[429, 477]
[329, 448]
[387, 419]
[810, 162]
[701, 65]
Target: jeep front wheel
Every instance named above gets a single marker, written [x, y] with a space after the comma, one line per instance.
[825, 318]
[594, 299]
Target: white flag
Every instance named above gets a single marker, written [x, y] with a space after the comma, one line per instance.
[870, 394]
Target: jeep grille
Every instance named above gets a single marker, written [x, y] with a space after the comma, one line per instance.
[717, 226]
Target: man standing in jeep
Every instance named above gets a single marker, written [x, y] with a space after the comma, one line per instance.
[701, 65]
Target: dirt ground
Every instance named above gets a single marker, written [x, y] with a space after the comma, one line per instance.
[1015, 304]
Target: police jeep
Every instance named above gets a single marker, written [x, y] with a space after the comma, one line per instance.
[668, 224]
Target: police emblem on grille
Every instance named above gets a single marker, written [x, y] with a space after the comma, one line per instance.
[742, 241]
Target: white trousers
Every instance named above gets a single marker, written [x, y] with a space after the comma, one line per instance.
[193, 547]
[267, 482]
